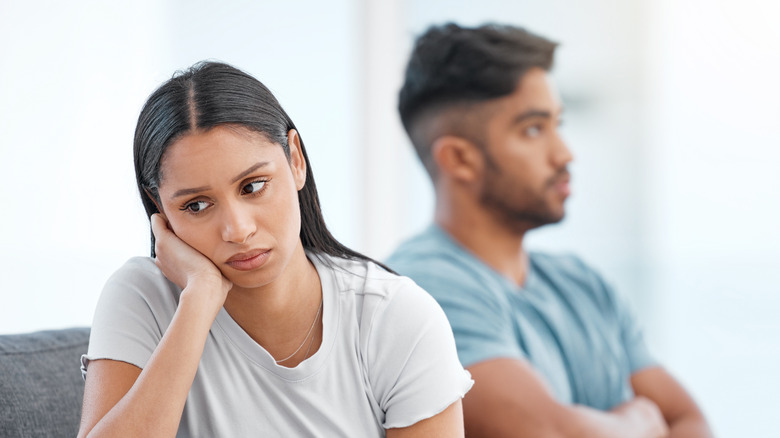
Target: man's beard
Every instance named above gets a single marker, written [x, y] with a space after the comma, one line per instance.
[518, 208]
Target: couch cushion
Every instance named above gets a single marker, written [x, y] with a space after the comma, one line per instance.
[41, 388]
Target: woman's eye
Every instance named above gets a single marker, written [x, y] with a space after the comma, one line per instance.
[196, 207]
[253, 187]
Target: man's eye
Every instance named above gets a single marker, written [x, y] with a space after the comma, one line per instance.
[197, 206]
[253, 187]
[533, 131]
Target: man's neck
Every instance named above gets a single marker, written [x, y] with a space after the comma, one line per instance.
[492, 242]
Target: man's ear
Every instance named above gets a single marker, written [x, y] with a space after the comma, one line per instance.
[297, 163]
[458, 158]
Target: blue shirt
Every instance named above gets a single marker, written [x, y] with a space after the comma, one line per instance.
[564, 320]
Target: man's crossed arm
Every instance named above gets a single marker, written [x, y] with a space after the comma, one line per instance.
[510, 399]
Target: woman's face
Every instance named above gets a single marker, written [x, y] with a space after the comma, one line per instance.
[231, 194]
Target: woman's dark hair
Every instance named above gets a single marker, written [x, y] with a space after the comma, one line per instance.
[210, 94]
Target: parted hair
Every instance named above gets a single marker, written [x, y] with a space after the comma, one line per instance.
[210, 94]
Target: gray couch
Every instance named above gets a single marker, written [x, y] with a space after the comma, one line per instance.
[41, 388]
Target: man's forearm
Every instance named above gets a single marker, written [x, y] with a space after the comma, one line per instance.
[510, 399]
[692, 426]
[680, 411]
[638, 418]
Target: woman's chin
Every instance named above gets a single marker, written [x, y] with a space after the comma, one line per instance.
[248, 280]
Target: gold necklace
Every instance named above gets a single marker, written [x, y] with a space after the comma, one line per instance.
[313, 323]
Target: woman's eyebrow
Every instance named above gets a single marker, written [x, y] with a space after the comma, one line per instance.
[185, 192]
[250, 170]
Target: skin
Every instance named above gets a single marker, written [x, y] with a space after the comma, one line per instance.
[487, 198]
[223, 192]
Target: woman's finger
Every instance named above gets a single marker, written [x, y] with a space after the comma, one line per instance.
[159, 225]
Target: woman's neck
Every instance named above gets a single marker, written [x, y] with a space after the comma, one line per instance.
[280, 314]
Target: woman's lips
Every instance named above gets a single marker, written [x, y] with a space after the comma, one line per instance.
[246, 261]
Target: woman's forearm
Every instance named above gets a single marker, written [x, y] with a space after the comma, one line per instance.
[154, 404]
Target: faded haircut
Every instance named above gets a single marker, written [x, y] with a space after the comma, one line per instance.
[453, 69]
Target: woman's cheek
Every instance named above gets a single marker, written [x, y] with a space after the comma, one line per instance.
[198, 238]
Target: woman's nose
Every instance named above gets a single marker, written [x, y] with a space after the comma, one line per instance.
[238, 224]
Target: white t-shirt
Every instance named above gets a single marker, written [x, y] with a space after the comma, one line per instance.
[387, 357]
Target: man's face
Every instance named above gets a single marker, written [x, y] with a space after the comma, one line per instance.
[526, 180]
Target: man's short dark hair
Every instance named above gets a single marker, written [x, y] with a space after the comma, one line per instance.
[457, 67]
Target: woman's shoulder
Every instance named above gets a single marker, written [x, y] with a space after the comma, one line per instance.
[382, 299]
[406, 345]
[367, 278]
[136, 305]
[139, 270]
[138, 265]
[139, 279]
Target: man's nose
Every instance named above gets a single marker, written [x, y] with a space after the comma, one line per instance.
[561, 154]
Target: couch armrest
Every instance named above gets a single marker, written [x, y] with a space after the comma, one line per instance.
[41, 388]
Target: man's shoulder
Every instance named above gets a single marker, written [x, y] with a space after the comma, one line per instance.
[564, 263]
[444, 269]
[430, 252]
[427, 241]
[569, 275]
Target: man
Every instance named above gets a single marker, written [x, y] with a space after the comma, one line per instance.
[552, 350]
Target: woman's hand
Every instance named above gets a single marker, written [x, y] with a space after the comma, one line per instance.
[183, 264]
[121, 399]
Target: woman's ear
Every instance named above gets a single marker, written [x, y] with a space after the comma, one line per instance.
[154, 201]
[297, 162]
[160, 211]
[457, 158]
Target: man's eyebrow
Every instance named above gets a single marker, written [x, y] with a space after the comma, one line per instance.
[531, 114]
[191, 191]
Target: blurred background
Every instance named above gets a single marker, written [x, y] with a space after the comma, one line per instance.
[672, 112]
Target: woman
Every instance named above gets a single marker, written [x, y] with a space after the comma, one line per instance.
[252, 319]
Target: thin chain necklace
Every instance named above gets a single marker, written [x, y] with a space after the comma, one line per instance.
[313, 323]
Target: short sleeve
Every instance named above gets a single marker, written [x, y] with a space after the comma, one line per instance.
[134, 310]
[413, 366]
[631, 333]
[480, 317]
[633, 338]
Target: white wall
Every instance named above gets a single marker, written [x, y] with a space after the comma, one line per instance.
[712, 196]
[672, 114]
[74, 76]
